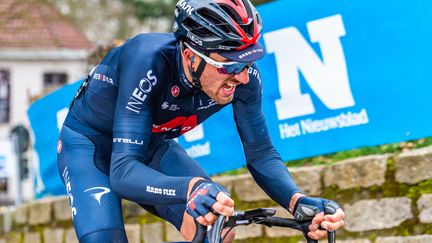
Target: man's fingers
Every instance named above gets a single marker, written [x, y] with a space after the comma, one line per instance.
[338, 216]
[210, 218]
[202, 220]
[334, 221]
[332, 226]
[318, 234]
[224, 210]
[224, 204]
[316, 221]
[224, 199]
[313, 227]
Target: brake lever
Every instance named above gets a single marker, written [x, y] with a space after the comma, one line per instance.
[238, 218]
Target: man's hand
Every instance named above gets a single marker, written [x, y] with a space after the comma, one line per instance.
[207, 199]
[322, 212]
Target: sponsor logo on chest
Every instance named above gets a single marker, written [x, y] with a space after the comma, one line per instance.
[140, 94]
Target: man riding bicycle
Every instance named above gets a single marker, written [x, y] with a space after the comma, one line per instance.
[117, 140]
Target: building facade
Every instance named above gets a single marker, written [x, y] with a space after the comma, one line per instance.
[40, 50]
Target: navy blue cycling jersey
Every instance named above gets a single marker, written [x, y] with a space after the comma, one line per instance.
[139, 93]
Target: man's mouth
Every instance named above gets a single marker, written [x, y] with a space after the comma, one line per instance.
[228, 88]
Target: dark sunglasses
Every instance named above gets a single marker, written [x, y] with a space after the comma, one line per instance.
[231, 68]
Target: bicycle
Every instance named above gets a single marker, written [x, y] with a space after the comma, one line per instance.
[264, 216]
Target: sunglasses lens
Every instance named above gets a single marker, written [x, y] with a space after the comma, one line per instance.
[234, 68]
[222, 70]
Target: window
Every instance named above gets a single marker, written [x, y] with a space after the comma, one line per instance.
[54, 80]
[4, 95]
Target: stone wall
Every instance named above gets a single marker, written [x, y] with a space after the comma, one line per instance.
[386, 198]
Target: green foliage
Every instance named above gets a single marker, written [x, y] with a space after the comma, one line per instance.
[333, 158]
[14, 237]
[424, 187]
[147, 9]
[380, 149]
[238, 171]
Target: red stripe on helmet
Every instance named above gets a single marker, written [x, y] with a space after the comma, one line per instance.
[239, 8]
[245, 39]
[247, 42]
[256, 34]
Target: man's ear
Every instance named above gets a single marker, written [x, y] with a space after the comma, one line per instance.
[190, 57]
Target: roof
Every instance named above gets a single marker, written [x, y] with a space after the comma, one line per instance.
[35, 24]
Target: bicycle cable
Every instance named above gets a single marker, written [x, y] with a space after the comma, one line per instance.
[223, 238]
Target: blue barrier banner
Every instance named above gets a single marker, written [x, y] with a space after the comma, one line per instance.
[344, 74]
[46, 117]
[337, 75]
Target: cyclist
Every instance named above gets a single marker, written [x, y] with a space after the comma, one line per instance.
[116, 141]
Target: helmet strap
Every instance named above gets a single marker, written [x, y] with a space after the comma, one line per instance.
[196, 75]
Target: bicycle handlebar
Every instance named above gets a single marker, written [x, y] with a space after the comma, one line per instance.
[262, 216]
[200, 233]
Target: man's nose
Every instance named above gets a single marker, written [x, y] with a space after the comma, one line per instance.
[242, 77]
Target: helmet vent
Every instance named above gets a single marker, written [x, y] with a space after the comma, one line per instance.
[196, 29]
[235, 2]
[231, 13]
[190, 24]
[248, 28]
[202, 33]
[258, 18]
[232, 44]
[213, 20]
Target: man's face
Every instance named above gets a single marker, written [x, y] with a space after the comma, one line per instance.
[221, 87]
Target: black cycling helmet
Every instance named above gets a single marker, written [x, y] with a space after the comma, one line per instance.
[229, 27]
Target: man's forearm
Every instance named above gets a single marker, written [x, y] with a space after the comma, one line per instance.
[273, 177]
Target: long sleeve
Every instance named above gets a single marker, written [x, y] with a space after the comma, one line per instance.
[263, 161]
[140, 78]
